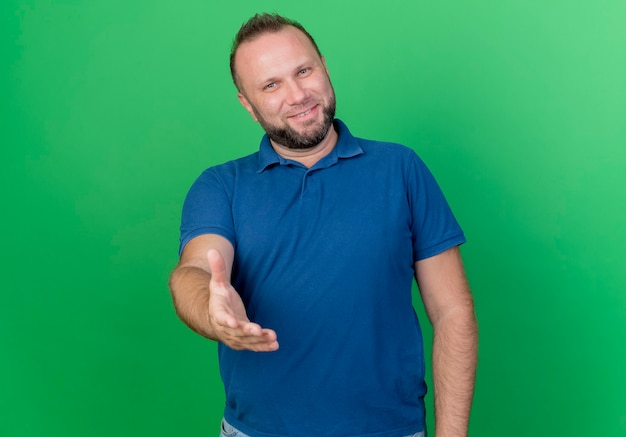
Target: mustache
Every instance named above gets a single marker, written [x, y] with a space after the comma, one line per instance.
[302, 107]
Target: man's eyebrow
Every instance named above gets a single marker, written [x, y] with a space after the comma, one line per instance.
[263, 82]
[301, 65]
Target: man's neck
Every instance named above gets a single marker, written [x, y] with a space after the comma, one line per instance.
[309, 157]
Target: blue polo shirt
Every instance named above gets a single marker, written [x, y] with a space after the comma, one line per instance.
[325, 257]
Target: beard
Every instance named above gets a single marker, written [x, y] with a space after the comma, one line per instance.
[290, 138]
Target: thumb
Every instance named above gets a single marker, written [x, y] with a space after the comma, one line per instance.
[217, 266]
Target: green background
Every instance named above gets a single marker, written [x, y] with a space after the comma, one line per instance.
[110, 109]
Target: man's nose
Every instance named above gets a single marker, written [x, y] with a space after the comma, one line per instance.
[295, 93]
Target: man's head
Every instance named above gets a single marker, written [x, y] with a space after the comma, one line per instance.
[258, 25]
[283, 81]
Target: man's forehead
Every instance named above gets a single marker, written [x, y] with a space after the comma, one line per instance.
[274, 54]
[287, 36]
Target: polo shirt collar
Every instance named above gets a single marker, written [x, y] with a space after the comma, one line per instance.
[347, 147]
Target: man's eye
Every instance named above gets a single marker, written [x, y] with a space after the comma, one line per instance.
[303, 71]
[269, 86]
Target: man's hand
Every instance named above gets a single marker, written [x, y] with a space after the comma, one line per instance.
[227, 314]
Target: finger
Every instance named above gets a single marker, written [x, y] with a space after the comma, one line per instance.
[270, 334]
[264, 347]
[252, 343]
[265, 343]
[243, 329]
[248, 334]
[217, 266]
[252, 329]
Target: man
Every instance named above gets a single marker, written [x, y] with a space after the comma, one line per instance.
[313, 243]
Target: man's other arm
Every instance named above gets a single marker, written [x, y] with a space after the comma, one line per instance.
[450, 308]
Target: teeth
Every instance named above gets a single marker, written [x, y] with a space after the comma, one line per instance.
[304, 114]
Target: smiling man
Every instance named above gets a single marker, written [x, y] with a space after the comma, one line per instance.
[285, 86]
[299, 260]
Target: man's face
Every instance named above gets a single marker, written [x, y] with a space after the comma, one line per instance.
[286, 88]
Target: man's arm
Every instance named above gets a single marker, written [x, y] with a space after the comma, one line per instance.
[450, 308]
[206, 301]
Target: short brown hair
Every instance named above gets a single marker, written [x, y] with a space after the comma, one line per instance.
[258, 25]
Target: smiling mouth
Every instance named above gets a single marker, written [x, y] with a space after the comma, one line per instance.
[303, 114]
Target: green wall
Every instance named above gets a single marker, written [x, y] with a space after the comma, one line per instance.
[110, 109]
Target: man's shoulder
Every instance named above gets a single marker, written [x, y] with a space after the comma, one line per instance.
[386, 150]
[373, 147]
[245, 163]
[385, 146]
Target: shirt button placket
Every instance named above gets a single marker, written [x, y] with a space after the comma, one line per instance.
[305, 184]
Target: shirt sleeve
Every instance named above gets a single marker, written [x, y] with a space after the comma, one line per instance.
[434, 227]
[207, 209]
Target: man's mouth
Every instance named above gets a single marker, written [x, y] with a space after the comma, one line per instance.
[304, 114]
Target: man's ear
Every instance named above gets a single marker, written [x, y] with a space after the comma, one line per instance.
[244, 102]
[325, 66]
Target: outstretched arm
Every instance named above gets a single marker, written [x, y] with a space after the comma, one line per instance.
[206, 301]
[450, 307]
